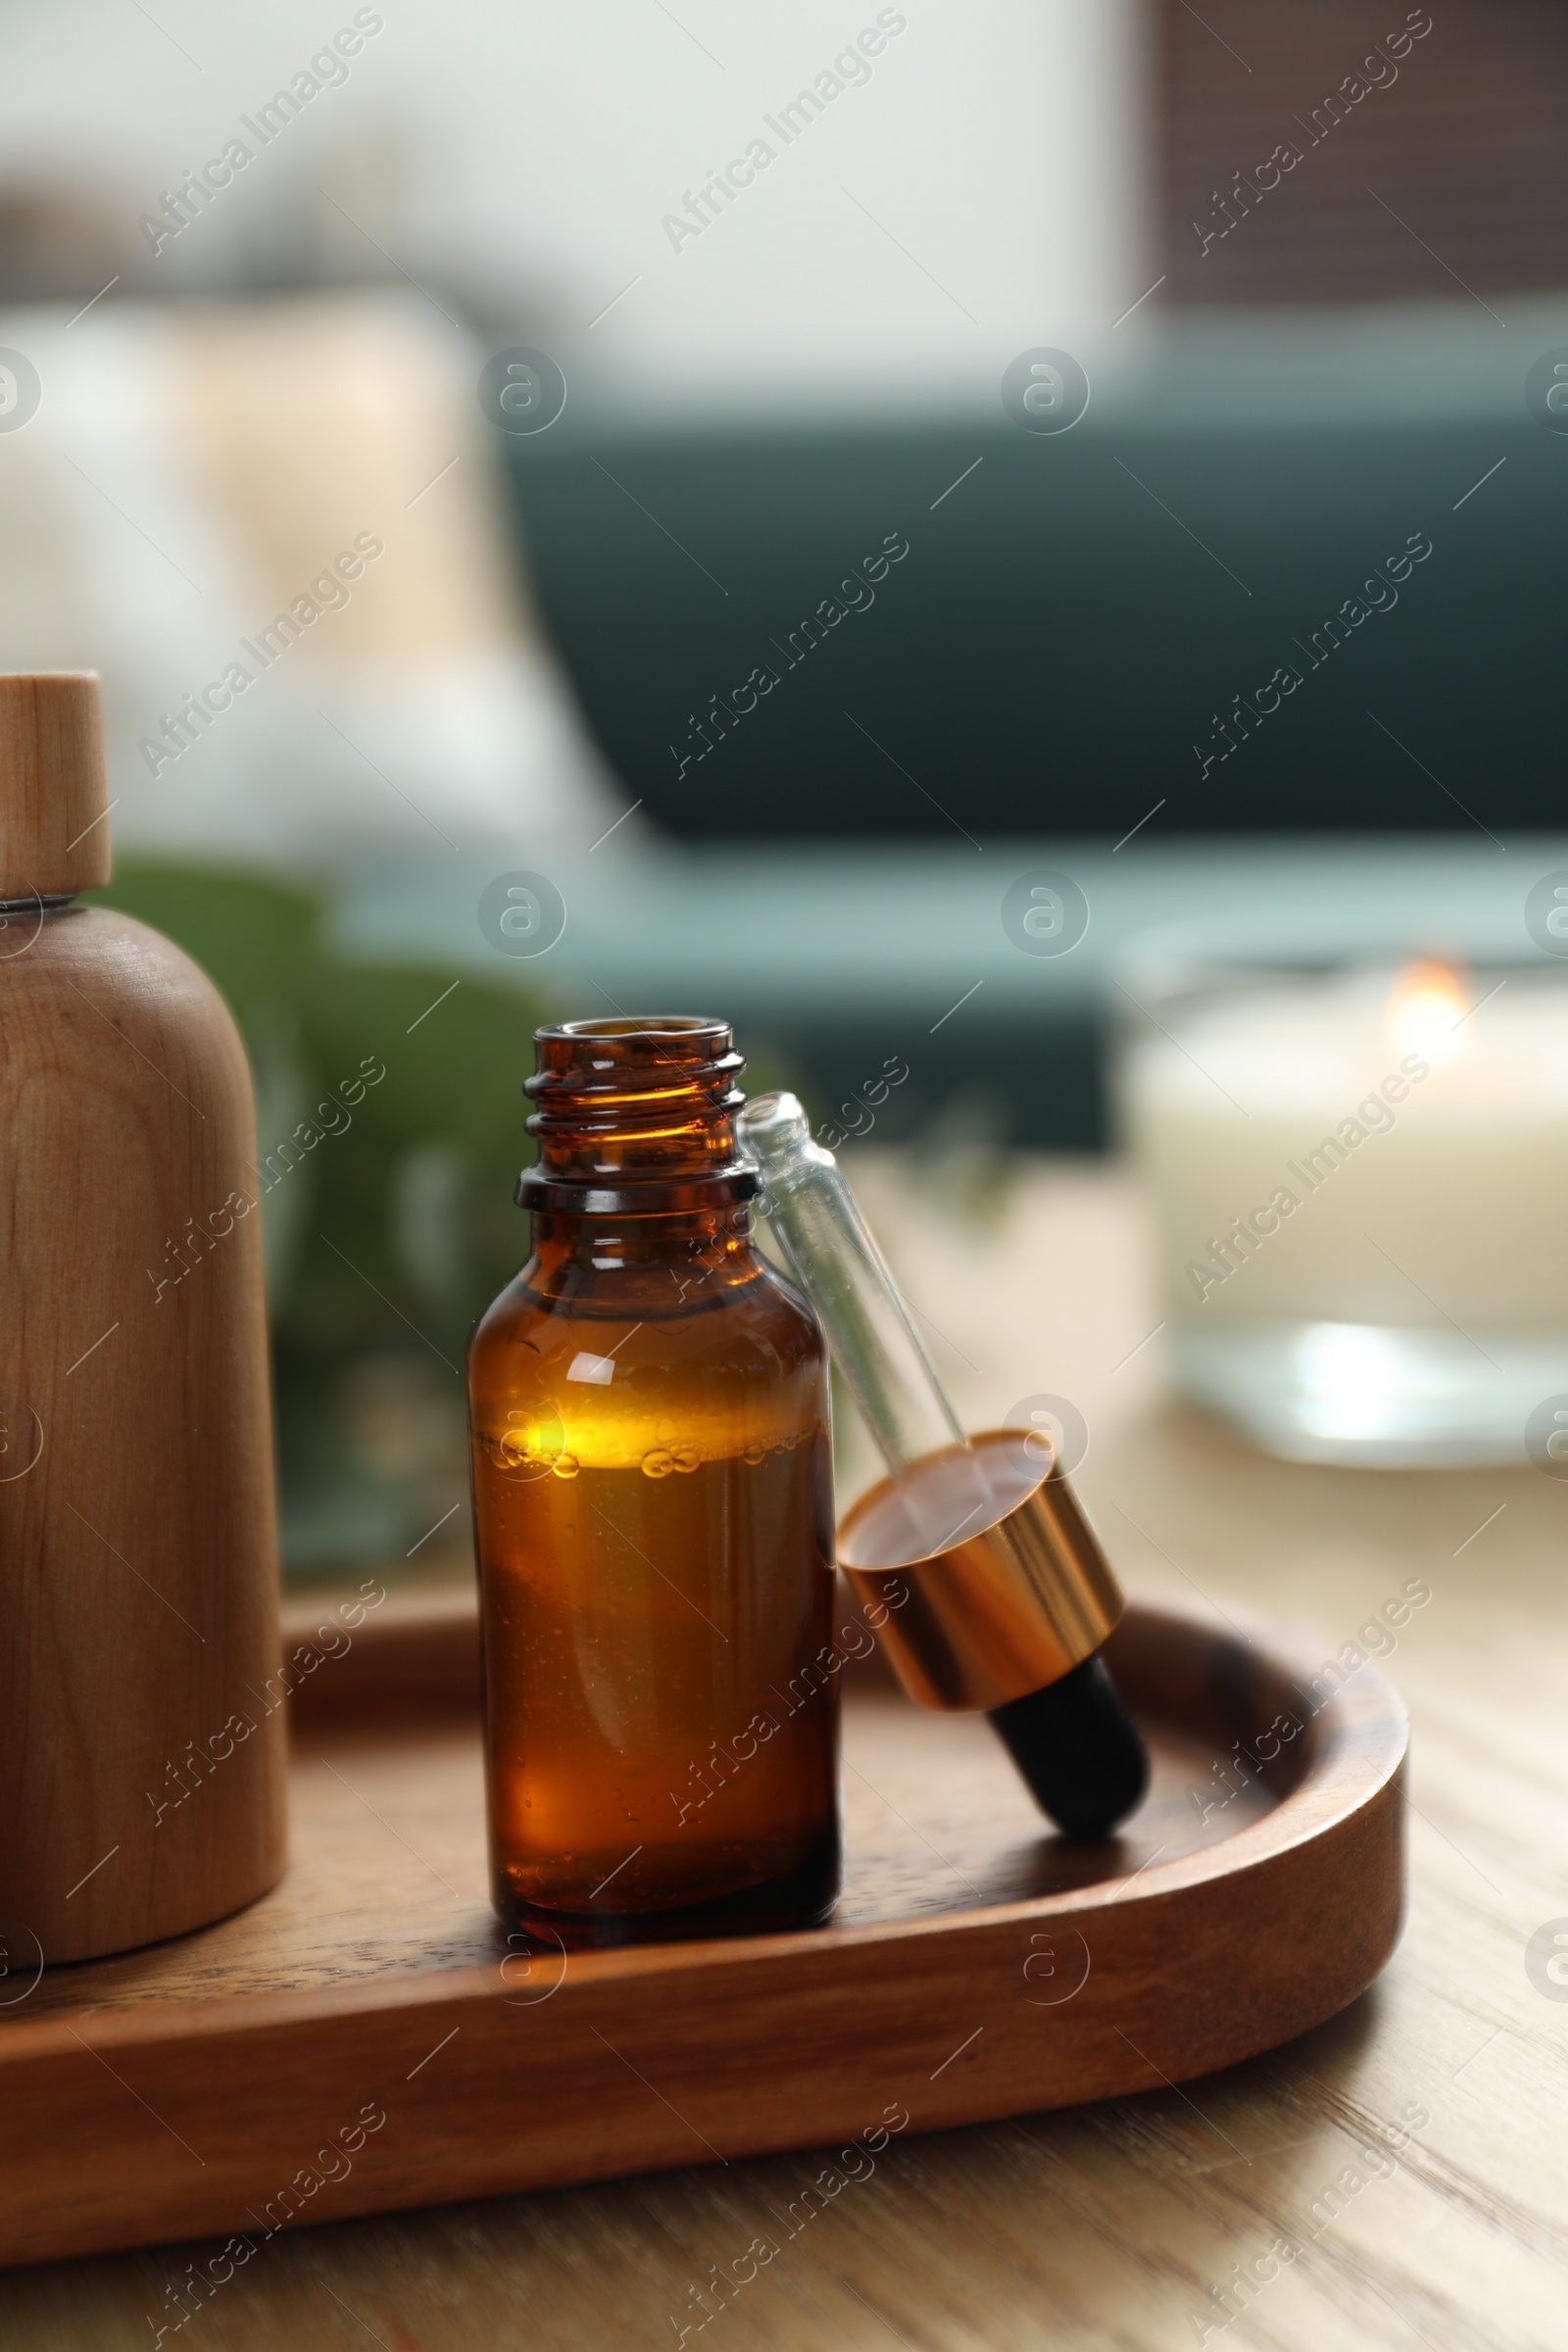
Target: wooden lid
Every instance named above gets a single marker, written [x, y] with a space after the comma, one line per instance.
[54, 834]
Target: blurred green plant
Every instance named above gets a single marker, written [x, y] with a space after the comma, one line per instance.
[387, 1202]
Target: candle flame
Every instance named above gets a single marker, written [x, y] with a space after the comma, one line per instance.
[1426, 1008]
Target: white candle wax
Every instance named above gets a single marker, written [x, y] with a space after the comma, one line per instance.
[1346, 1151]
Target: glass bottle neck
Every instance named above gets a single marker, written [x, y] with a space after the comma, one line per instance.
[635, 1119]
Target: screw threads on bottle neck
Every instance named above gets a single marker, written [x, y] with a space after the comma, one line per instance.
[636, 1117]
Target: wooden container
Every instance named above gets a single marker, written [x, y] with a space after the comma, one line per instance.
[141, 1729]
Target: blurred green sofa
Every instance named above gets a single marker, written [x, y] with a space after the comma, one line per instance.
[1050, 668]
[1075, 610]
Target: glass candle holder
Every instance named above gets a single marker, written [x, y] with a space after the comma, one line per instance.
[1356, 1172]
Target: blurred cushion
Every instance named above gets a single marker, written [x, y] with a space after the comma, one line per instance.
[289, 512]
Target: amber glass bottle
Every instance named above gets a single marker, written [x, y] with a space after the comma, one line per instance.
[654, 1509]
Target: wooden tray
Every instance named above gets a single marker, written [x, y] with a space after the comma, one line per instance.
[975, 1968]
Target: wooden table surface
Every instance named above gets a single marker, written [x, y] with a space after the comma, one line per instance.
[1399, 2176]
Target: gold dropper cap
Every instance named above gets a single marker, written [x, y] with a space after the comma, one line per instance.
[53, 795]
[1013, 1607]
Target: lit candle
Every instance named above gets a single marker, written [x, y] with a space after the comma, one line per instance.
[1339, 1164]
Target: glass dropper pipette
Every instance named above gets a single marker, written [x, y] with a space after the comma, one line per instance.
[1011, 1593]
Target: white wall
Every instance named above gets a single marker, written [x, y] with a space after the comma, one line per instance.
[528, 152]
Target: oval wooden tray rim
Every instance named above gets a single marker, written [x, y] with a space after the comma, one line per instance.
[659, 2056]
[1369, 1706]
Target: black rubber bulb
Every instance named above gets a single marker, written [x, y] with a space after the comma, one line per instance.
[1078, 1748]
